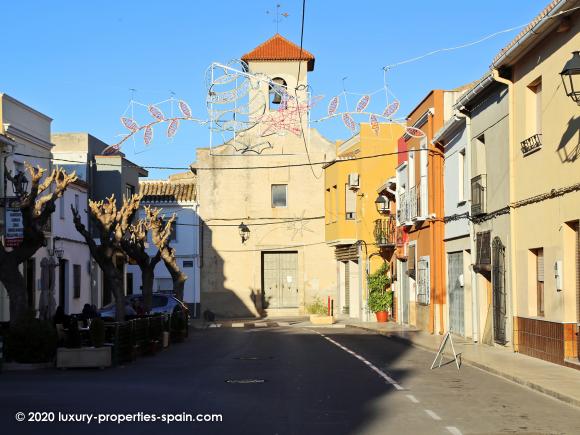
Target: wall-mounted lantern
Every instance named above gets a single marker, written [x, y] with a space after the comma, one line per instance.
[571, 77]
[244, 232]
[382, 203]
[20, 183]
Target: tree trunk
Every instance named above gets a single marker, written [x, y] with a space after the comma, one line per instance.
[15, 286]
[178, 278]
[147, 277]
[114, 280]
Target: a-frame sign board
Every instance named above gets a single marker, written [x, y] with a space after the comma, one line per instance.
[447, 337]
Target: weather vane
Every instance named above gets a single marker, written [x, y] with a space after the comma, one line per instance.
[279, 16]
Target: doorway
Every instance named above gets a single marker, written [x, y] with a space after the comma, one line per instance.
[455, 291]
[404, 291]
[280, 279]
[499, 292]
[63, 284]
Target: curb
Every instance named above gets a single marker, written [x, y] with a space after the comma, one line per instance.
[393, 335]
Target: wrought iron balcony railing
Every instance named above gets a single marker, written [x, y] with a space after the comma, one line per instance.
[386, 232]
[531, 144]
[478, 199]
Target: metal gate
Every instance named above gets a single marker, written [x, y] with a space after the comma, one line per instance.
[279, 277]
[499, 291]
[456, 294]
[404, 291]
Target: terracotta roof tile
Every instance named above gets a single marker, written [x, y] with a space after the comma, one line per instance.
[520, 35]
[279, 48]
[167, 191]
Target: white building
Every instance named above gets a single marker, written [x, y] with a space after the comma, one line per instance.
[177, 195]
[73, 283]
[25, 138]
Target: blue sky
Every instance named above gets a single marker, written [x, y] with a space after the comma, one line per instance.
[76, 61]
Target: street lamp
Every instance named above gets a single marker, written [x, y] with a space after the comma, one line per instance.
[382, 204]
[244, 232]
[20, 183]
[571, 77]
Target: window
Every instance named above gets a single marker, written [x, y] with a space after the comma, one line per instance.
[173, 236]
[279, 195]
[483, 246]
[534, 107]
[335, 201]
[539, 254]
[276, 88]
[61, 207]
[129, 190]
[462, 170]
[329, 206]
[77, 201]
[424, 185]
[350, 203]
[76, 281]
[128, 283]
[411, 261]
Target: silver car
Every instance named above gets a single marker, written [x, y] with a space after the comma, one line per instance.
[161, 303]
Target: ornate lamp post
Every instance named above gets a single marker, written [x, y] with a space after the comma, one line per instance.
[571, 77]
[19, 183]
[382, 204]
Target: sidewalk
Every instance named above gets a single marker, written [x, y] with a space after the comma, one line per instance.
[560, 382]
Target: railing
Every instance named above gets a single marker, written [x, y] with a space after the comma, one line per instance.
[403, 208]
[531, 144]
[478, 188]
[386, 232]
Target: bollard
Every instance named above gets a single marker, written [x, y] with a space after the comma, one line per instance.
[1, 352]
[328, 311]
[332, 307]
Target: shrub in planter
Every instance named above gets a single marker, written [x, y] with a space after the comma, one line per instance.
[317, 307]
[97, 330]
[32, 341]
[380, 301]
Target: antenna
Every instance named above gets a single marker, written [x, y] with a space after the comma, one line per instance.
[279, 16]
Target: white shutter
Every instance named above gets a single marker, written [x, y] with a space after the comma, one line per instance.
[540, 264]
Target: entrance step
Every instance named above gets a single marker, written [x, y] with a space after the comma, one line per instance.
[282, 312]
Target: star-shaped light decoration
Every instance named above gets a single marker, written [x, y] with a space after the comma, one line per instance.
[298, 225]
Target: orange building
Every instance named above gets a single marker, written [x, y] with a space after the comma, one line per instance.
[420, 215]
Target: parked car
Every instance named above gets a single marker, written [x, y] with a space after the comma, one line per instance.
[161, 303]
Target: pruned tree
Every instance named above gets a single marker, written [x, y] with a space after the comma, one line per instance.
[134, 243]
[112, 225]
[36, 208]
[161, 231]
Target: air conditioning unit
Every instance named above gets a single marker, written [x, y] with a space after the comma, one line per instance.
[353, 181]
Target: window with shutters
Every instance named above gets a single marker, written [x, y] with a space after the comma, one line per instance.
[76, 281]
[539, 254]
[350, 203]
[483, 247]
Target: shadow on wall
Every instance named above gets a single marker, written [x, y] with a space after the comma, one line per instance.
[569, 147]
[215, 296]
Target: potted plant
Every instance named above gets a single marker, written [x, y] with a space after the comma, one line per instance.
[319, 314]
[380, 298]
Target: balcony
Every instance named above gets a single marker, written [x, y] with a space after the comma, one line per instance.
[386, 232]
[478, 200]
[531, 144]
[403, 209]
[413, 200]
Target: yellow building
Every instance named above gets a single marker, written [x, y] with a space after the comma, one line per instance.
[362, 236]
[545, 200]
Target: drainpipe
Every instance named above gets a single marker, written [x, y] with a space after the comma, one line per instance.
[511, 152]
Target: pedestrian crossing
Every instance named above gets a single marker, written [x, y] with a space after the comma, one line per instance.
[257, 325]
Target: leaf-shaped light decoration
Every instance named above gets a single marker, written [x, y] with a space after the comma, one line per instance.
[348, 121]
[414, 132]
[363, 103]
[185, 109]
[374, 123]
[172, 127]
[391, 109]
[283, 102]
[148, 135]
[130, 124]
[333, 106]
[155, 112]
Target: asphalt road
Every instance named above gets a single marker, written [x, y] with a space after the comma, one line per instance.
[293, 381]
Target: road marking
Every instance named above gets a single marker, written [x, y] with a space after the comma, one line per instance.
[412, 398]
[237, 325]
[283, 323]
[432, 414]
[260, 325]
[453, 430]
[369, 364]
